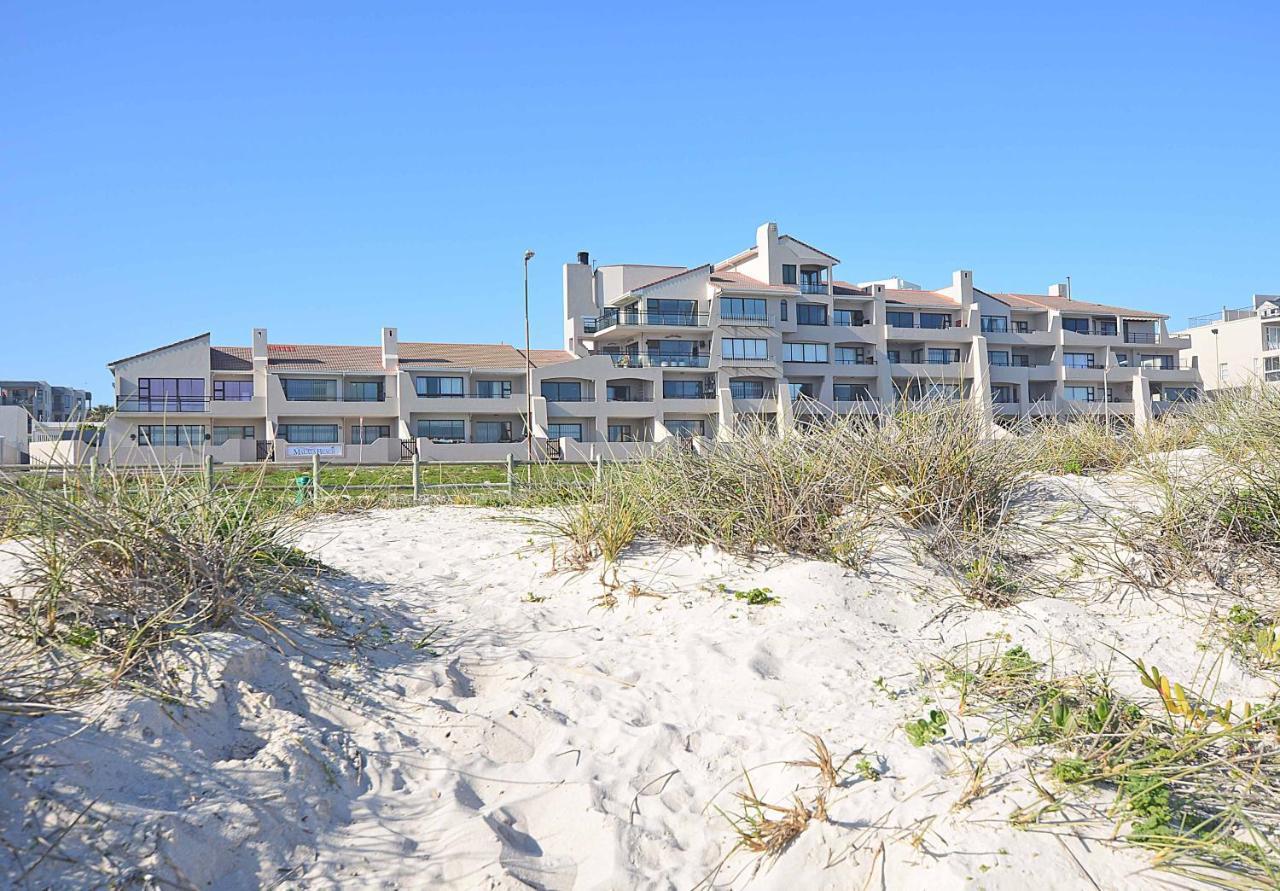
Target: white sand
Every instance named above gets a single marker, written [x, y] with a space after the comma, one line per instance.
[556, 744]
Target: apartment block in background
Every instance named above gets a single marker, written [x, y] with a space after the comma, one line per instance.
[1236, 347]
[46, 403]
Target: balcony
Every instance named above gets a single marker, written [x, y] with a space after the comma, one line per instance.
[813, 287]
[864, 360]
[610, 318]
[656, 360]
[745, 320]
[163, 404]
[1140, 337]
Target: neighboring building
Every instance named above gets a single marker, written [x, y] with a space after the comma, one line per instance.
[45, 402]
[653, 353]
[1236, 347]
[15, 434]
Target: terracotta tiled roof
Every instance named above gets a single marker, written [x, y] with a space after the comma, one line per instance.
[463, 355]
[230, 358]
[845, 289]
[323, 357]
[543, 358]
[920, 298]
[1040, 301]
[732, 279]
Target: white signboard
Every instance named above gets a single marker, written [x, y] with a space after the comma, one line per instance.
[306, 451]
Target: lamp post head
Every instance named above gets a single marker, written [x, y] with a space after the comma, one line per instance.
[528, 255]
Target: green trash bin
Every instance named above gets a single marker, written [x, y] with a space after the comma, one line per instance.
[301, 482]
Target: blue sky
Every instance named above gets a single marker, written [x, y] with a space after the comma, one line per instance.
[325, 169]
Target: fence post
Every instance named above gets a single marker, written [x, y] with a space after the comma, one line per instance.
[208, 473]
[93, 473]
[315, 477]
[417, 476]
[599, 468]
[511, 475]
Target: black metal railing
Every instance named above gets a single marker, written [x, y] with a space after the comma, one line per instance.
[609, 318]
[630, 397]
[581, 397]
[1139, 337]
[163, 404]
[857, 360]
[657, 360]
[813, 287]
[465, 395]
[744, 319]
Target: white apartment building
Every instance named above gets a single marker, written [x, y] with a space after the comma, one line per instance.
[1236, 347]
[768, 336]
[46, 402]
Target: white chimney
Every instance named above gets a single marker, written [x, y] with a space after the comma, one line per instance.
[390, 349]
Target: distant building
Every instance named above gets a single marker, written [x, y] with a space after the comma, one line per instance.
[15, 434]
[1235, 347]
[45, 402]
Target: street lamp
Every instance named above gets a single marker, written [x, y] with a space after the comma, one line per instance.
[528, 363]
[1217, 361]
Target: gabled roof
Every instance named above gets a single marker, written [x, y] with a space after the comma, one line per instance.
[462, 355]
[323, 357]
[230, 358]
[845, 289]
[159, 349]
[810, 247]
[1064, 304]
[639, 289]
[543, 358]
[730, 279]
[920, 298]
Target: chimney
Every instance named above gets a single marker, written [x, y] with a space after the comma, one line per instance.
[259, 344]
[768, 256]
[1061, 289]
[390, 350]
[584, 258]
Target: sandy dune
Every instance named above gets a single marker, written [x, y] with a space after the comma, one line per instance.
[496, 728]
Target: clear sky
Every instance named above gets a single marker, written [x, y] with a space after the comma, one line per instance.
[325, 169]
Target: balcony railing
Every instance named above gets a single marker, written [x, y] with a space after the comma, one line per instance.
[703, 394]
[466, 395]
[163, 404]
[581, 397]
[656, 360]
[609, 318]
[1139, 337]
[928, 326]
[857, 360]
[628, 398]
[744, 319]
[813, 287]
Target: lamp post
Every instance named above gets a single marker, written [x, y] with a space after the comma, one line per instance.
[1217, 362]
[528, 363]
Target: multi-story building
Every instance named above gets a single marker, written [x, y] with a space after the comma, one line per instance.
[1236, 347]
[768, 336]
[46, 403]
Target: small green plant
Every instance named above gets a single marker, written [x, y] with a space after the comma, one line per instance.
[534, 598]
[866, 770]
[923, 731]
[756, 596]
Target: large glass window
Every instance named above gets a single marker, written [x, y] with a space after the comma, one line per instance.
[744, 348]
[1078, 360]
[804, 352]
[441, 430]
[1156, 361]
[851, 356]
[565, 431]
[743, 309]
[938, 356]
[894, 356]
[364, 434]
[170, 394]
[998, 357]
[222, 434]
[1271, 337]
[672, 312]
[493, 389]
[900, 319]
[310, 389]
[807, 389]
[678, 389]
[849, 318]
[1080, 326]
[621, 433]
[746, 389]
[191, 435]
[233, 391]
[788, 273]
[309, 433]
[431, 387]
[1106, 327]
[1078, 394]
[851, 392]
[1003, 394]
[562, 391]
[685, 428]
[363, 391]
[995, 324]
[491, 431]
[811, 314]
[935, 320]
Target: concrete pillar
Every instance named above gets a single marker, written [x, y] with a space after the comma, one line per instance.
[980, 389]
[786, 410]
[724, 404]
[1143, 410]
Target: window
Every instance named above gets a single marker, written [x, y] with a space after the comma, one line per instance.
[191, 435]
[1270, 368]
[618, 393]
[1078, 394]
[308, 389]
[678, 389]
[1021, 361]
[851, 356]
[222, 434]
[1080, 326]
[1122, 359]
[933, 390]
[743, 309]
[937, 356]
[804, 352]
[439, 430]
[806, 389]
[432, 387]
[900, 319]
[562, 391]
[672, 312]
[491, 431]
[364, 434]
[935, 320]
[851, 392]
[998, 357]
[1078, 360]
[363, 391]
[621, 433]
[678, 351]
[170, 394]
[894, 355]
[849, 318]
[1155, 361]
[565, 431]
[493, 389]
[811, 282]
[782, 310]
[1187, 394]
[309, 433]
[744, 348]
[1271, 337]
[1003, 394]
[745, 388]
[684, 428]
[1022, 327]
[788, 273]
[1105, 327]
[811, 314]
[233, 391]
[995, 324]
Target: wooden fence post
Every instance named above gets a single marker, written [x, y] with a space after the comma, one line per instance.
[599, 468]
[208, 473]
[417, 476]
[511, 475]
[93, 473]
[315, 477]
